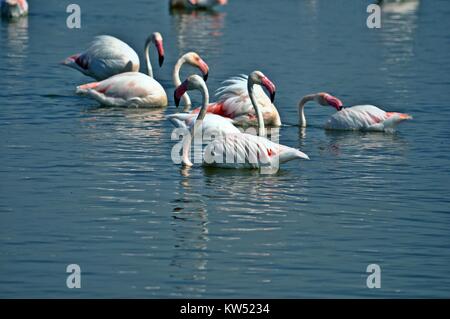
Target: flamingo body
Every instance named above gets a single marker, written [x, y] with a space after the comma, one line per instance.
[211, 124]
[196, 4]
[130, 89]
[365, 118]
[13, 8]
[234, 102]
[105, 57]
[248, 151]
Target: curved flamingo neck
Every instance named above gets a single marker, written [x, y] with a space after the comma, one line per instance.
[301, 108]
[198, 124]
[177, 82]
[205, 94]
[147, 56]
[261, 127]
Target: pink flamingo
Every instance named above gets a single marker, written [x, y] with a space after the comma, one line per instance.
[196, 4]
[248, 151]
[212, 124]
[233, 101]
[358, 117]
[194, 60]
[129, 89]
[13, 8]
[108, 56]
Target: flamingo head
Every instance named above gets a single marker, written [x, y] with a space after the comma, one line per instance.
[158, 40]
[327, 99]
[191, 83]
[195, 60]
[257, 77]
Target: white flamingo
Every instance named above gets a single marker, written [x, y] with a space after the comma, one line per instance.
[359, 117]
[108, 56]
[12, 9]
[212, 124]
[248, 151]
[194, 60]
[196, 4]
[129, 89]
[234, 102]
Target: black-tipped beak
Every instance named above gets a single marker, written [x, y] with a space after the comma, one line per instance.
[205, 76]
[272, 96]
[177, 100]
[161, 60]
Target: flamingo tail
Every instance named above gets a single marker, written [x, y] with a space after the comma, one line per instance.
[84, 89]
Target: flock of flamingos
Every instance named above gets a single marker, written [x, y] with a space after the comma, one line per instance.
[240, 102]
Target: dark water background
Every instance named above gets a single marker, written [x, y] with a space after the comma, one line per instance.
[96, 186]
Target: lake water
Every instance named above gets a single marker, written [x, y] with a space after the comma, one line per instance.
[96, 186]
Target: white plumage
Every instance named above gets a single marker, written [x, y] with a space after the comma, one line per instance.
[211, 124]
[105, 57]
[130, 89]
[234, 102]
[365, 118]
[242, 150]
[237, 105]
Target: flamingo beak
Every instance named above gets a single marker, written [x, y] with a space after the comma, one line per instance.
[204, 68]
[270, 87]
[160, 49]
[334, 102]
[193, 2]
[179, 92]
[222, 2]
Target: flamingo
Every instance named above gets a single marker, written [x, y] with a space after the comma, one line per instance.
[194, 60]
[196, 4]
[233, 101]
[108, 56]
[211, 123]
[129, 89]
[358, 117]
[247, 151]
[14, 8]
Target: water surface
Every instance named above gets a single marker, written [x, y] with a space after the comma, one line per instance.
[96, 186]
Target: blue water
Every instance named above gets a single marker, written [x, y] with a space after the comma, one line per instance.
[96, 186]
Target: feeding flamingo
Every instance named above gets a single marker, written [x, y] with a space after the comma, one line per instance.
[359, 117]
[233, 101]
[196, 4]
[108, 56]
[247, 151]
[194, 60]
[11, 9]
[130, 89]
